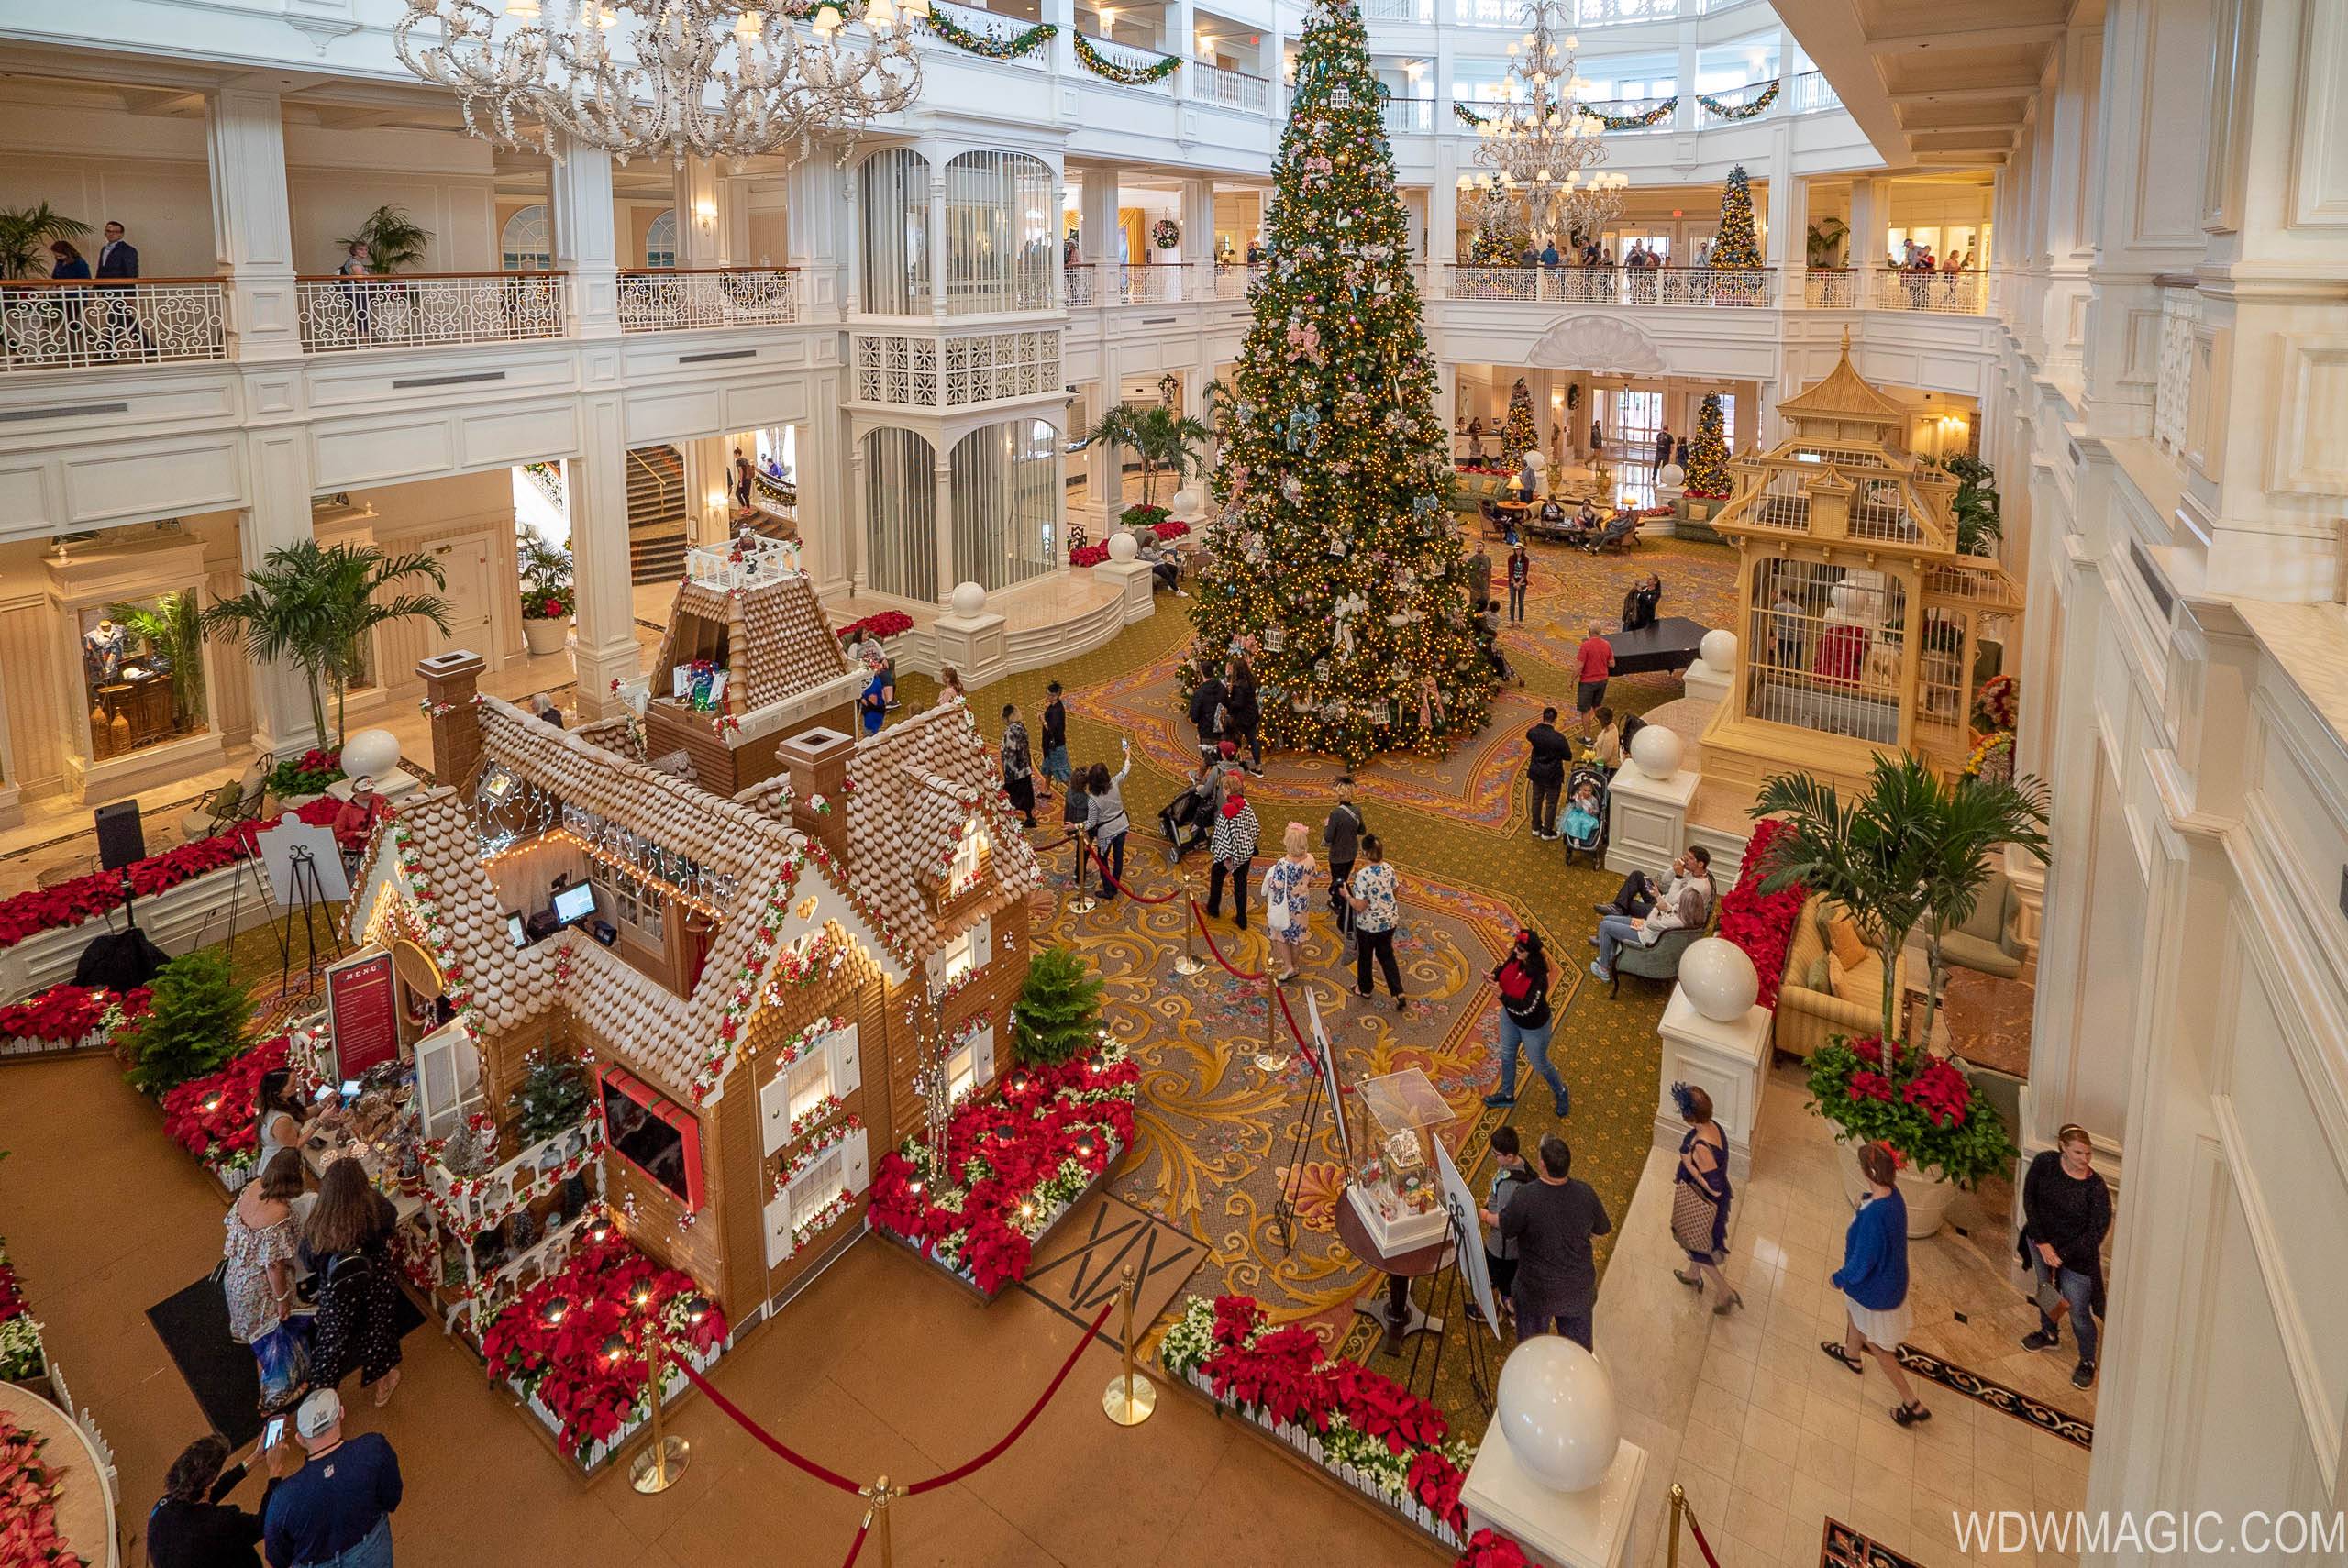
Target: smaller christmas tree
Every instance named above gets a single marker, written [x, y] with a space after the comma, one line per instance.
[201, 1016]
[1057, 1011]
[1734, 248]
[1520, 434]
[555, 1096]
[1708, 452]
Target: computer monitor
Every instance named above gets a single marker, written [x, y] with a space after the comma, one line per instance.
[575, 902]
[517, 929]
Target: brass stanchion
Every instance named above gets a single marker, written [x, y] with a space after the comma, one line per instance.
[1084, 902]
[876, 1518]
[1189, 963]
[1268, 1060]
[1130, 1397]
[1679, 1510]
[662, 1460]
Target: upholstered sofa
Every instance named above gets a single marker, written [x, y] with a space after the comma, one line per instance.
[1987, 942]
[1661, 961]
[1806, 1015]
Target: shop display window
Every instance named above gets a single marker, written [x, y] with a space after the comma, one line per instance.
[142, 671]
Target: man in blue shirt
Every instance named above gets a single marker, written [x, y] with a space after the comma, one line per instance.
[334, 1511]
[879, 692]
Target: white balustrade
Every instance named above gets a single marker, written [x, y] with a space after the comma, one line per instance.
[1233, 283]
[668, 299]
[750, 561]
[425, 309]
[1616, 285]
[1232, 89]
[2173, 393]
[1829, 288]
[1810, 92]
[1398, 10]
[1941, 293]
[1737, 105]
[46, 325]
[1126, 57]
[1409, 117]
[1146, 284]
[1079, 286]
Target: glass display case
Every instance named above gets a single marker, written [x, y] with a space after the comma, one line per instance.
[1395, 1186]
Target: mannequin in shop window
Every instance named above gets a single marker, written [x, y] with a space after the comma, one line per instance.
[103, 646]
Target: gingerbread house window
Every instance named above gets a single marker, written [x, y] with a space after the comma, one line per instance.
[962, 954]
[969, 851]
[969, 1066]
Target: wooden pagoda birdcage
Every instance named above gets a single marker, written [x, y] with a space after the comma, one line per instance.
[1860, 627]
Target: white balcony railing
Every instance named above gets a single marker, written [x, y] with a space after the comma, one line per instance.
[2173, 393]
[1942, 294]
[752, 561]
[430, 308]
[1130, 58]
[1616, 285]
[1409, 117]
[996, 26]
[1829, 288]
[668, 299]
[1232, 282]
[1811, 92]
[1586, 12]
[1398, 10]
[1232, 89]
[1147, 284]
[1737, 103]
[50, 326]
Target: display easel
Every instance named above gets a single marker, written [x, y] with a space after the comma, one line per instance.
[305, 870]
[1449, 1293]
[1326, 1090]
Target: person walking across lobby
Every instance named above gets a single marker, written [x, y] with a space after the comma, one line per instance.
[1341, 837]
[1874, 1282]
[1552, 1222]
[1520, 577]
[2066, 1210]
[1593, 661]
[1545, 772]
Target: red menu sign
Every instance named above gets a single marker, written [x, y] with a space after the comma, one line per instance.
[361, 1013]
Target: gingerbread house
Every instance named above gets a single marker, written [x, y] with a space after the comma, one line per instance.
[760, 981]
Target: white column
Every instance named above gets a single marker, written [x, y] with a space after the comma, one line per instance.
[1683, 117]
[597, 482]
[705, 227]
[2070, 194]
[937, 289]
[1098, 223]
[822, 210]
[1198, 237]
[942, 473]
[1182, 38]
[1789, 206]
[252, 230]
[280, 515]
[586, 249]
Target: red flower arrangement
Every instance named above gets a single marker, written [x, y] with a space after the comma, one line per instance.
[213, 1117]
[575, 1341]
[1014, 1158]
[1087, 554]
[66, 1013]
[86, 897]
[882, 624]
[1762, 924]
[1941, 1092]
[28, 1532]
[1169, 528]
[1488, 1548]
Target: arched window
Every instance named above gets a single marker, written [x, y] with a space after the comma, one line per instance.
[522, 245]
[661, 240]
[900, 514]
[998, 252]
[1005, 482]
[894, 191]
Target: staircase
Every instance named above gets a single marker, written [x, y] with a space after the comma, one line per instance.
[656, 514]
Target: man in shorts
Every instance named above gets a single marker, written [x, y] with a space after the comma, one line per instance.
[1594, 660]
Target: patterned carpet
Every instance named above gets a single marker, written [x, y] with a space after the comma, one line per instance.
[1570, 589]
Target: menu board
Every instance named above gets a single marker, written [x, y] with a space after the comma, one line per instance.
[362, 1014]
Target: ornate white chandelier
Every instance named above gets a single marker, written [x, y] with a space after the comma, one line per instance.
[695, 76]
[1541, 143]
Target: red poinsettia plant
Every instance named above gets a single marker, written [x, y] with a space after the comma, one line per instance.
[1490, 1549]
[577, 1340]
[28, 1534]
[1014, 1157]
[1169, 528]
[1921, 1106]
[1762, 924]
[68, 1012]
[881, 623]
[1087, 554]
[86, 897]
[213, 1117]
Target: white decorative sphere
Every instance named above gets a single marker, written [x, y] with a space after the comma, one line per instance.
[969, 599]
[1672, 474]
[1717, 979]
[1189, 503]
[1719, 650]
[370, 754]
[1655, 750]
[1123, 546]
[1556, 1412]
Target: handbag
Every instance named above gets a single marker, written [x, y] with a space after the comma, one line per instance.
[284, 1360]
[1692, 1212]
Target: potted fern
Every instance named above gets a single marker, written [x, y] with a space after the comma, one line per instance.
[1910, 854]
[547, 602]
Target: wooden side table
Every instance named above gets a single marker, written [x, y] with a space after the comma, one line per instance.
[1393, 1311]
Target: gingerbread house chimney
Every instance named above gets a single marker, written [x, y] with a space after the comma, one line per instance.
[817, 760]
[449, 695]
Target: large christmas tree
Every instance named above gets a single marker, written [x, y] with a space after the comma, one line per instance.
[1332, 549]
[1520, 434]
[1734, 248]
[1708, 451]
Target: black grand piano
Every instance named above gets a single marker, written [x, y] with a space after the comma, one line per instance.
[1668, 646]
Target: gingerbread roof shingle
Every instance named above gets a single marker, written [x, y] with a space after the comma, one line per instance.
[916, 784]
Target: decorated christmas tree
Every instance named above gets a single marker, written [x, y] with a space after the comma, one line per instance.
[1733, 248]
[1520, 434]
[1708, 451]
[1334, 555]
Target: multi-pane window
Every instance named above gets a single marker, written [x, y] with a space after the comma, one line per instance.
[635, 905]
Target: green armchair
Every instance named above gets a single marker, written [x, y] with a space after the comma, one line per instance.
[1987, 942]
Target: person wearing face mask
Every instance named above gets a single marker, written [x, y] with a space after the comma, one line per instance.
[2066, 1212]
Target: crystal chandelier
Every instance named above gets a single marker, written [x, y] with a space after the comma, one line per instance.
[1541, 144]
[698, 77]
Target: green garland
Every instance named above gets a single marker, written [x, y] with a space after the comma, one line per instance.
[1720, 111]
[1101, 65]
[992, 46]
[1467, 115]
[1654, 114]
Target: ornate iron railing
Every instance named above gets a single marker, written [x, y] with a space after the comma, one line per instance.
[1615, 285]
[418, 310]
[1942, 294]
[670, 299]
[48, 324]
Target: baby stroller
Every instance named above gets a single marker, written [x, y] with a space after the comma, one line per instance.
[1188, 822]
[1592, 837]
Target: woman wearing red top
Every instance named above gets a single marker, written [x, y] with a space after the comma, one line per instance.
[1526, 1020]
[1593, 661]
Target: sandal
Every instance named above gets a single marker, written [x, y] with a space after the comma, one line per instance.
[1691, 1281]
[383, 1387]
[1838, 1353]
[1907, 1415]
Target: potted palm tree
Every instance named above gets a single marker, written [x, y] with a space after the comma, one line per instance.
[25, 234]
[547, 602]
[315, 606]
[392, 239]
[1164, 439]
[1913, 852]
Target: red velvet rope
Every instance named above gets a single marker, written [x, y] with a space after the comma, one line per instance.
[1702, 1544]
[1138, 898]
[990, 1455]
[858, 1544]
[1238, 973]
[760, 1432]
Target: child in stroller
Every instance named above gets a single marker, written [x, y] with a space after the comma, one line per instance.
[1582, 823]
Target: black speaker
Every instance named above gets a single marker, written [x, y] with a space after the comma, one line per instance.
[121, 839]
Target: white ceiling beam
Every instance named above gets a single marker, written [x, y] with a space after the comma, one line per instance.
[1943, 41]
[1991, 93]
